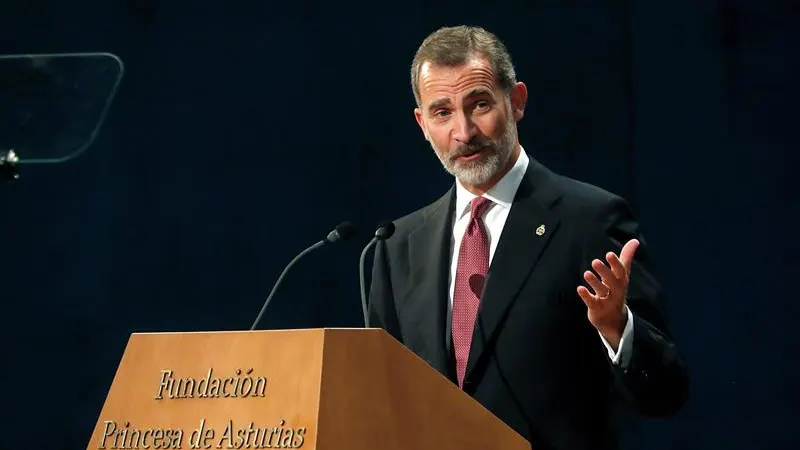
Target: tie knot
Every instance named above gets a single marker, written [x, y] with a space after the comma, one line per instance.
[479, 205]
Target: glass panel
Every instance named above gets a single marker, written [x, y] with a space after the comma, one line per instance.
[52, 106]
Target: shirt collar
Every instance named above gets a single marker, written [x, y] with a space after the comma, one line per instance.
[502, 193]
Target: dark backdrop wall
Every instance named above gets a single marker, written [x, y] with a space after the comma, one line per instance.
[242, 132]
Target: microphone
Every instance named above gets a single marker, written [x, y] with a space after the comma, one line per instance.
[342, 232]
[384, 231]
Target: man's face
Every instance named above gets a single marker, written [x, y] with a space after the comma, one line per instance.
[468, 119]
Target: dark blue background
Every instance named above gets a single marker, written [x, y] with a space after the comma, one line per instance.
[243, 131]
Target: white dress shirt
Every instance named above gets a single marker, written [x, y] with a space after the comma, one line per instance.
[502, 196]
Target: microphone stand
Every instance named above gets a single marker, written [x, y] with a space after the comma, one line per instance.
[280, 278]
[364, 308]
[342, 232]
[385, 231]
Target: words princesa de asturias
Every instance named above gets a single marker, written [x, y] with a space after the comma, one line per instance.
[227, 435]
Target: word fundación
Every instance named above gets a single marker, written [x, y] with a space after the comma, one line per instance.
[211, 386]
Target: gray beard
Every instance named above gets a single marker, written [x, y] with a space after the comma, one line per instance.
[481, 170]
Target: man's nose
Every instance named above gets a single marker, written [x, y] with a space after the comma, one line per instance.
[465, 128]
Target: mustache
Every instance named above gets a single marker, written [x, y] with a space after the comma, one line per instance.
[472, 147]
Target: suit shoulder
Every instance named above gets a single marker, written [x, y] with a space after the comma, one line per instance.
[580, 197]
[406, 224]
[590, 214]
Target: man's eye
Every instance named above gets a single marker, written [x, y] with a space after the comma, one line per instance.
[441, 113]
[482, 104]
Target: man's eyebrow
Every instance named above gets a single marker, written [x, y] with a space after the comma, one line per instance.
[438, 103]
[477, 92]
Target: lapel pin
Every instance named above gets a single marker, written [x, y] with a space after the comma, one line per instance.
[540, 230]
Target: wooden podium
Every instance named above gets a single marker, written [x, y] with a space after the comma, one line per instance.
[327, 389]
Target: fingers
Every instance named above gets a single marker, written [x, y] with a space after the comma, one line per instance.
[587, 297]
[599, 288]
[605, 273]
[617, 268]
[608, 277]
[613, 278]
[626, 255]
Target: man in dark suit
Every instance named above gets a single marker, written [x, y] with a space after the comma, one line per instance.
[529, 290]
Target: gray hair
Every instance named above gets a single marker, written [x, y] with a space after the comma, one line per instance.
[453, 46]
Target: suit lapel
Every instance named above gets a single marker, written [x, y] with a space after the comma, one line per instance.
[527, 231]
[425, 305]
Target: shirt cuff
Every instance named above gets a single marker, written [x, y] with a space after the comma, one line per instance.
[623, 355]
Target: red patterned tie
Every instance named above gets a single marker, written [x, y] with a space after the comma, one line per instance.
[473, 265]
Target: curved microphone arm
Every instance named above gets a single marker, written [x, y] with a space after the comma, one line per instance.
[364, 308]
[280, 278]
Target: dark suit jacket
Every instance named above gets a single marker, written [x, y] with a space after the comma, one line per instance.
[536, 362]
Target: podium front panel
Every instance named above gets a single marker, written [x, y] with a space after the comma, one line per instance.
[216, 390]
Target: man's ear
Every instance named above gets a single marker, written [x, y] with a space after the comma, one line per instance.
[519, 98]
[421, 123]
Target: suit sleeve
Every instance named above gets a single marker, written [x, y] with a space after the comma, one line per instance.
[382, 312]
[654, 379]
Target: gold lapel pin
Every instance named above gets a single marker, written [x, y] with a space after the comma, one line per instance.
[540, 230]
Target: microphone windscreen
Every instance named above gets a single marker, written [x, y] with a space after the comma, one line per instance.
[385, 230]
[345, 230]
